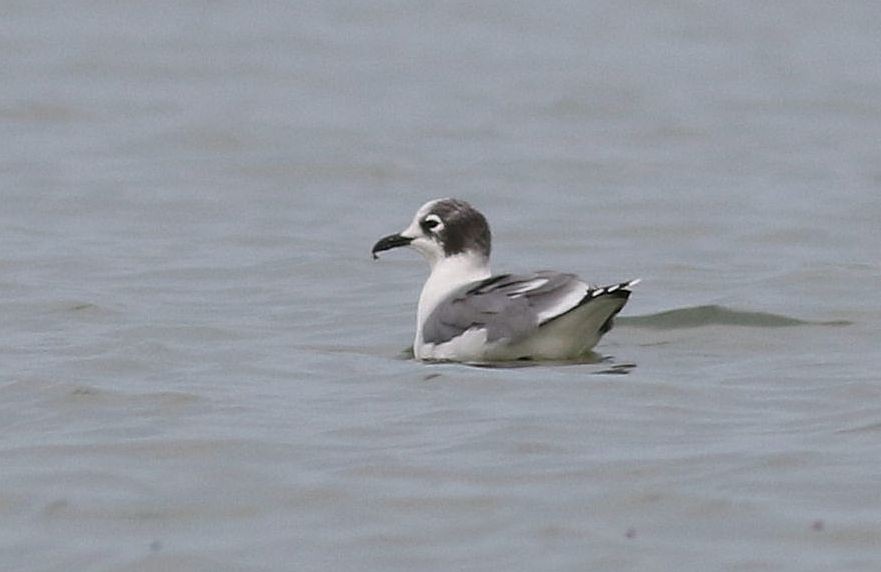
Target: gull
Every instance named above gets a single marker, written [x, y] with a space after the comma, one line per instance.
[468, 314]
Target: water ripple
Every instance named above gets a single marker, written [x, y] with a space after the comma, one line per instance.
[712, 315]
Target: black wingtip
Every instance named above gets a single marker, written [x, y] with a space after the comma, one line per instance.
[621, 290]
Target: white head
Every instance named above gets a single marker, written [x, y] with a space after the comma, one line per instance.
[443, 228]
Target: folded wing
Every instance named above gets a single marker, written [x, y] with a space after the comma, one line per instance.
[507, 306]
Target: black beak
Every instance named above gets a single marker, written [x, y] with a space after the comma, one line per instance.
[389, 242]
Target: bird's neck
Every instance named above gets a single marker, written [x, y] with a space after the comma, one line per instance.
[447, 274]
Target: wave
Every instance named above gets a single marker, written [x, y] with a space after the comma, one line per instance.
[712, 315]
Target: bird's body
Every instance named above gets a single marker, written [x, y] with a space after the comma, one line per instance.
[467, 314]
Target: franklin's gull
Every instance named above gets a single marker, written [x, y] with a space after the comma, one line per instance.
[467, 314]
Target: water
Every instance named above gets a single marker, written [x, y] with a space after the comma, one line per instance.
[203, 369]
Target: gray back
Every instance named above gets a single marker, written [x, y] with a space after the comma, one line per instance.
[508, 306]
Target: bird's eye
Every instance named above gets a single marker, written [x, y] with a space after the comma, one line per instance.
[431, 222]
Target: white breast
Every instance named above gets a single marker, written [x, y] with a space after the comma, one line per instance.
[446, 275]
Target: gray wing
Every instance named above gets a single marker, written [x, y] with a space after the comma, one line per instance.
[508, 306]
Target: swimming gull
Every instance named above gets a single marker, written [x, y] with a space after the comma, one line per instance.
[467, 314]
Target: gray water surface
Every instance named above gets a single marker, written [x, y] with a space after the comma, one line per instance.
[203, 369]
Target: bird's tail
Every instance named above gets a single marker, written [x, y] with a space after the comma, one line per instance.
[620, 291]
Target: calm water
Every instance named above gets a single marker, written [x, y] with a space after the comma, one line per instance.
[203, 369]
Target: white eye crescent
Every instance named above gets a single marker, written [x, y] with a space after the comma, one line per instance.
[432, 223]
